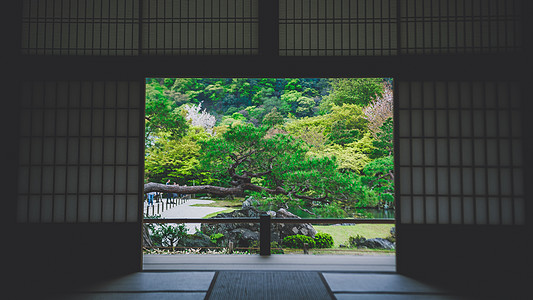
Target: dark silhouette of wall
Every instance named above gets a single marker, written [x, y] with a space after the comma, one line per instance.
[480, 255]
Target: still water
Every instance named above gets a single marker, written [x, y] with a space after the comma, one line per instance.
[374, 213]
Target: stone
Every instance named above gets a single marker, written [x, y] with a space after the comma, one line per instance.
[377, 243]
[248, 202]
[242, 237]
[196, 240]
[244, 234]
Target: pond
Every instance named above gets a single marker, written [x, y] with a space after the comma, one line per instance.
[376, 213]
[363, 213]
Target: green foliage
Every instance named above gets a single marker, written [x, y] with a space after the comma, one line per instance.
[282, 161]
[273, 118]
[333, 210]
[304, 107]
[323, 240]
[176, 159]
[216, 238]
[167, 235]
[271, 127]
[344, 124]
[378, 176]
[297, 241]
[383, 145]
[162, 114]
[359, 91]
[355, 241]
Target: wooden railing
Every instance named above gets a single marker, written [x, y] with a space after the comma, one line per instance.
[264, 225]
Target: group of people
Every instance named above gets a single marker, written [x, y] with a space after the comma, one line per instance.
[169, 196]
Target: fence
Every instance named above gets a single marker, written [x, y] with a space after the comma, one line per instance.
[265, 222]
[162, 203]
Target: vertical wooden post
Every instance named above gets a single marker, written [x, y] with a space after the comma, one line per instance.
[230, 247]
[268, 28]
[264, 234]
[306, 248]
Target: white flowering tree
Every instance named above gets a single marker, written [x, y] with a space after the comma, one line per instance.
[199, 117]
[380, 110]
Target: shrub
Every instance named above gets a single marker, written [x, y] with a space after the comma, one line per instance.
[167, 235]
[215, 238]
[297, 241]
[355, 241]
[323, 240]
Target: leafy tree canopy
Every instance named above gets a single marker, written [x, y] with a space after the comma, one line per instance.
[322, 145]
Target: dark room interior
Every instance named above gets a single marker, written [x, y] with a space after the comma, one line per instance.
[74, 98]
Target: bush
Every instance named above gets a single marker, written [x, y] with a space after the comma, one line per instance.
[297, 241]
[355, 241]
[216, 238]
[330, 211]
[167, 235]
[323, 240]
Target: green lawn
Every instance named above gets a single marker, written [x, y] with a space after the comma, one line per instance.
[341, 234]
[218, 212]
[236, 203]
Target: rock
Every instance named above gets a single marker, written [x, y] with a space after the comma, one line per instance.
[377, 243]
[292, 229]
[248, 202]
[243, 234]
[242, 237]
[196, 240]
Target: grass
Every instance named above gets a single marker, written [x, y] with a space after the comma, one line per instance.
[218, 212]
[341, 234]
[342, 251]
[222, 203]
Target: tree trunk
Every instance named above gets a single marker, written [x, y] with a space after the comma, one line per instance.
[222, 191]
[147, 240]
[197, 189]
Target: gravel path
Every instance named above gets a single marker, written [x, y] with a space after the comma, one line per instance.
[185, 210]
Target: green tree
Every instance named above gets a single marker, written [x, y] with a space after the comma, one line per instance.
[244, 158]
[378, 176]
[176, 159]
[353, 156]
[305, 107]
[384, 143]
[273, 118]
[358, 91]
[162, 114]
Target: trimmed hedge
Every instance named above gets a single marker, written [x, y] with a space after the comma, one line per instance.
[323, 240]
[297, 241]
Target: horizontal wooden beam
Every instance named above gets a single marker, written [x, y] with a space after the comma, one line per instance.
[273, 220]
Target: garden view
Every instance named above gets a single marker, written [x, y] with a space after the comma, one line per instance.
[296, 147]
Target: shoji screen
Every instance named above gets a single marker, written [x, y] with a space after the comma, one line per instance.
[460, 147]
[200, 27]
[80, 27]
[460, 26]
[80, 152]
[135, 27]
[337, 27]
[391, 27]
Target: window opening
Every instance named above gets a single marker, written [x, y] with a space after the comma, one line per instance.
[313, 148]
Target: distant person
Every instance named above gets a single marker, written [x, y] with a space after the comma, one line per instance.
[175, 195]
[169, 195]
[150, 198]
